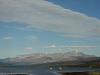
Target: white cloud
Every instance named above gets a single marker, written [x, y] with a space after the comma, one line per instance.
[31, 38]
[29, 48]
[44, 15]
[78, 47]
[52, 46]
[77, 41]
[96, 30]
[59, 49]
[7, 38]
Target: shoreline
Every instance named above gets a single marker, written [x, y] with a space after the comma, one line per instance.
[72, 73]
[80, 73]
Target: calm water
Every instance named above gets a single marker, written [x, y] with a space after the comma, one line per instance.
[42, 70]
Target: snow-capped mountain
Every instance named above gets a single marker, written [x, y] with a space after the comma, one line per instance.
[37, 58]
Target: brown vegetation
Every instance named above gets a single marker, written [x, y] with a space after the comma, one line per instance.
[81, 73]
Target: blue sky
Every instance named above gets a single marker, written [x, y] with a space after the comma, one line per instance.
[49, 26]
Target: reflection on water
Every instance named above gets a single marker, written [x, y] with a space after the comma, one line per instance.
[41, 70]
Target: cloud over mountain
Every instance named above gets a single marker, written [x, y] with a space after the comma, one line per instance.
[43, 15]
[79, 47]
[52, 46]
[29, 48]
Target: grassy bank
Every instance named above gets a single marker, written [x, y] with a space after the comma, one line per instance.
[80, 73]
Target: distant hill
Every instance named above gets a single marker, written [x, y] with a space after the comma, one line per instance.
[88, 60]
[38, 58]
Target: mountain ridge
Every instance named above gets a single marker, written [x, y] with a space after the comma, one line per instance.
[38, 58]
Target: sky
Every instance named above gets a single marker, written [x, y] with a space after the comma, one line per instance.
[49, 26]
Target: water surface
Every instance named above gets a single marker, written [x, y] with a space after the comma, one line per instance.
[42, 70]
